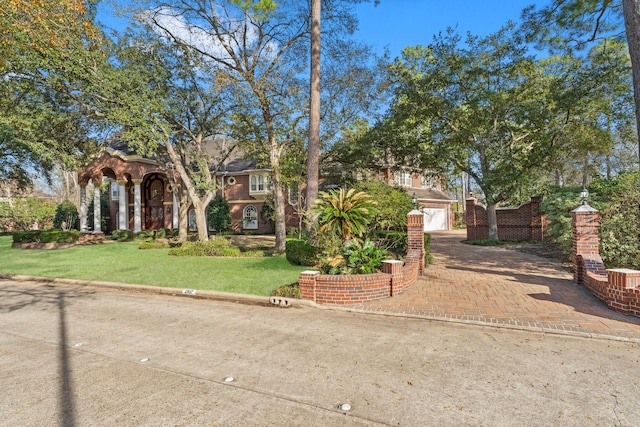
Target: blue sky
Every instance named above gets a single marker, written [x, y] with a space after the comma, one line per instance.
[401, 23]
[397, 24]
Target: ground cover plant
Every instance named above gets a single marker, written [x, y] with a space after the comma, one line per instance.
[125, 263]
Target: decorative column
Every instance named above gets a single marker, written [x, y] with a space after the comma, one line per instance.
[584, 227]
[83, 207]
[415, 236]
[175, 211]
[470, 218]
[137, 206]
[97, 214]
[122, 204]
[537, 219]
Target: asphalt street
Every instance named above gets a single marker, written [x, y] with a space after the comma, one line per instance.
[85, 356]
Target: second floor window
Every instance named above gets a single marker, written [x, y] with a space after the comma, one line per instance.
[260, 183]
[403, 179]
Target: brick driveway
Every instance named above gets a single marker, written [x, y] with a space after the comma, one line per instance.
[502, 287]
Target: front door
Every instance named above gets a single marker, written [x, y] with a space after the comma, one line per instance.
[154, 203]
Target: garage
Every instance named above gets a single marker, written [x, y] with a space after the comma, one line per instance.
[435, 219]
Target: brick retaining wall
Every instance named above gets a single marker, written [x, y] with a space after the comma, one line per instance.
[618, 288]
[395, 278]
[525, 222]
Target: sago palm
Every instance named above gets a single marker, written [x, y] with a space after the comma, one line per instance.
[344, 213]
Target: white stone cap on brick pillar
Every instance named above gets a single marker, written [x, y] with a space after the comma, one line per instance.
[310, 272]
[584, 208]
[391, 261]
[623, 270]
[415, 212]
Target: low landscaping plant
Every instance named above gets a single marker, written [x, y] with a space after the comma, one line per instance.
[217, 246]
[301, 252]
[395, 242]
[49, 236]
[154, 244]
[356, 257]
[122, 235]
[287, 291]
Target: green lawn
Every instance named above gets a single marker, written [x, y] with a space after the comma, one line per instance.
[125, 263]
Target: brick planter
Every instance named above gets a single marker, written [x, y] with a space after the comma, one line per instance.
[395, 277]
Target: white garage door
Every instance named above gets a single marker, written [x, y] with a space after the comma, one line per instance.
[435, 219]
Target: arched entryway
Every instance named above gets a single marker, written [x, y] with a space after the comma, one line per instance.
[154, 202]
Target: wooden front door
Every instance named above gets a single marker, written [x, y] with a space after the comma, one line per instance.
[154, 203]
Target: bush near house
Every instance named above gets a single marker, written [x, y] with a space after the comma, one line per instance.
[301, 252]
[66, 216]
[51, 236]
[395, 242]
[218, 246]
[617, 200]
[392, 204]
[26, 213]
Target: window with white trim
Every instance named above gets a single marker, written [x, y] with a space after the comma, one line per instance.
[428, 181]
[115, 190]
[403, 179]
[260, 184]
[294, 194]
[250, 217]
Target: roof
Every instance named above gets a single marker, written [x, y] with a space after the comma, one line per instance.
[430, 194]
[214, 146]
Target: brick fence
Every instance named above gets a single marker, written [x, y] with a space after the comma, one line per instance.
[522, 223]
[618, 288]
[395, 277]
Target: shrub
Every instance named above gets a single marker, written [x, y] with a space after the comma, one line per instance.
[25, 212]
[255, 253]
[617, 201]
[122, 235]
[287, 291]
[153, 244]
[392, 204]
[146, 234]
[395, 242]
[32, 236]
[66, 216]
[217, 246]
[51, 236]
[219, 215]
[356, 257]
[428, 259]
[301, 252]
[60, 236]
[344, 213]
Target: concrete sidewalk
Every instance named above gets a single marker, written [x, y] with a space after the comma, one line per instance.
[501, 287]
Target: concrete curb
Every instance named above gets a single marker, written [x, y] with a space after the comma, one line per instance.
[292, 302]
[183, 292]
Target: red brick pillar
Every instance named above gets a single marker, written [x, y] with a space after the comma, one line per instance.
[471, 219]
[415, 235]
[584, 227]
[537, 220]
[394, 268]
[307, 283]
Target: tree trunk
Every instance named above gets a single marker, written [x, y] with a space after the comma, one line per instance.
[199, 208]
[492, 220]
[313, 152]
[631, 10]
[183, 215]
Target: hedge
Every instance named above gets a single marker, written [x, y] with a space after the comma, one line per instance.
[301, 252]
[50, 236]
